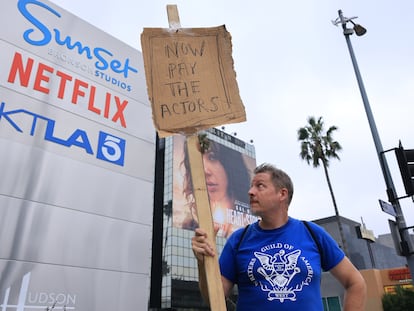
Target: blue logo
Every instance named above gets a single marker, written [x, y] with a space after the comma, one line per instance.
[110, 148]
[105, 59]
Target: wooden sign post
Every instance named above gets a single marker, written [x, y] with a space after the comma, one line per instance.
[205, 218]
[205, 221]
[192, 86]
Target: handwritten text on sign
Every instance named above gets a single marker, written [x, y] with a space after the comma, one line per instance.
[190, 78]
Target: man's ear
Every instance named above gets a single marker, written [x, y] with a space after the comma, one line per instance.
[284, 193]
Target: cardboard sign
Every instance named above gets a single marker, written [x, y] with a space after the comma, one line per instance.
[190, 78]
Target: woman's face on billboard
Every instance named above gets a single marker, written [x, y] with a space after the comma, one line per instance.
[216, 177]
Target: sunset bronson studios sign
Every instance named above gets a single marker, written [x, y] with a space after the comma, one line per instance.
[77, 162]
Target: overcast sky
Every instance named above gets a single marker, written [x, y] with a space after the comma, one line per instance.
[291, 63]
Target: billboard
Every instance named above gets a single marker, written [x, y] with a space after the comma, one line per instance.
[77, 160]
[228, 174]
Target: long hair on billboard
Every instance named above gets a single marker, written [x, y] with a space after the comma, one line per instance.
[227, 180]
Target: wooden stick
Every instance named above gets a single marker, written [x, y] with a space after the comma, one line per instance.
[205, 221]
[173, 18]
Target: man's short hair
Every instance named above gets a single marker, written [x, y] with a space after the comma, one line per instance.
[279, 178]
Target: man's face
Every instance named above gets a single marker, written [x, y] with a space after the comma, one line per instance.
[264, 197]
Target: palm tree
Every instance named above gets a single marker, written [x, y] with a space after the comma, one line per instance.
[317, 147]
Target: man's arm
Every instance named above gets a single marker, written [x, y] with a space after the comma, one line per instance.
[202, 248]
[354, 284]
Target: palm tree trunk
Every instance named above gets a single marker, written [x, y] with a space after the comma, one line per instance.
[338, 219]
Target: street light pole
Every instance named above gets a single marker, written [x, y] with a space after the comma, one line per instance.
[392, 197]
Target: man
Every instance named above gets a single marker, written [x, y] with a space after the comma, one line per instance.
[277, 262]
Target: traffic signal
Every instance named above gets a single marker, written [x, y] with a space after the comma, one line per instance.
[405, 160]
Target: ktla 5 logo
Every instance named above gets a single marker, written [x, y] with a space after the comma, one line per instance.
[110, 148]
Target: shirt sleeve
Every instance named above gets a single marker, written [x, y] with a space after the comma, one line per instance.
[227, 260]
[332, 253]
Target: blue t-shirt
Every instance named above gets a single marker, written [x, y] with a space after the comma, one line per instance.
[279, 269]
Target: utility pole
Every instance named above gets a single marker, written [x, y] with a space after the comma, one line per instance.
[391, 193]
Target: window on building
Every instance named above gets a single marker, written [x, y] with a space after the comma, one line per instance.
[331, 304]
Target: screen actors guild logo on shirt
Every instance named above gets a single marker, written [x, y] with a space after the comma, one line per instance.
[280, 273]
